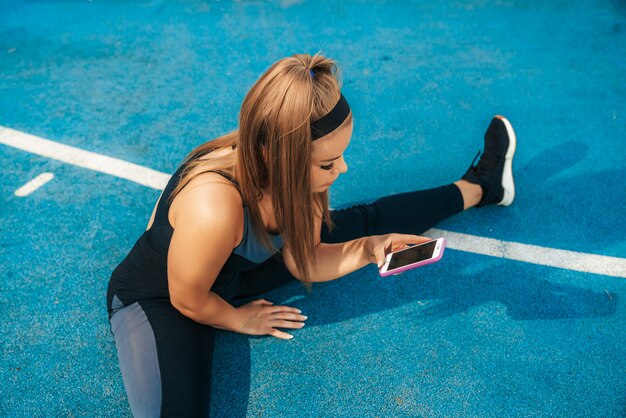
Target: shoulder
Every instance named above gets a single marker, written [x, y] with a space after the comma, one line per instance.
[207, 226]
[209, 200]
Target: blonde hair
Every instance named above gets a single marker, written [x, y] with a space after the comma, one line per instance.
[273, 151]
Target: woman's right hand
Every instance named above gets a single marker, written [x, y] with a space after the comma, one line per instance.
[261, 317]
[378, 246]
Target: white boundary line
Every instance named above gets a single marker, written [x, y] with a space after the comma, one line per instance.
[86, 159]
[34, 184]
[570, 260]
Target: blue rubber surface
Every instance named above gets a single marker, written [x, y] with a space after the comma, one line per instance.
[470, 336]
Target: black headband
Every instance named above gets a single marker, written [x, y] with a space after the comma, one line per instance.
[332, 120]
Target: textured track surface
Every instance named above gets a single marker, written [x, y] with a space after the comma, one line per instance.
[469, 336]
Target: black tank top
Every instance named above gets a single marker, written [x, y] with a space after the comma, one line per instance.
[143, 273]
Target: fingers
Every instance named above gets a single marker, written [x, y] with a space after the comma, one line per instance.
[292, 317]
[402, 241]
[289, 318]
[380, 252]
[280, 334]
[281, 317]
[396, 242]
[276, 309]
[285, 320]
[416, 239]
[287, 324]
[262, 302]
[380, 260]
[399, 246]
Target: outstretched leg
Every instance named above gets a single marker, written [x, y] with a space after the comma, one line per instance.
[487, 183]
[408, 213]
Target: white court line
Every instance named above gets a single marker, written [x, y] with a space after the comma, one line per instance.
[34, 184]
[570, 260]
[86, 159]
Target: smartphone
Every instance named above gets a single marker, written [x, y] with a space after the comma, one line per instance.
[412, 257]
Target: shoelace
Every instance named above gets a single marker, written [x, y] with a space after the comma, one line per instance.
[474, 160]
[486, 163]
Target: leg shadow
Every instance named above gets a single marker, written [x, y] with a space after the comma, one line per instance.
[525, 289]
[554, 160]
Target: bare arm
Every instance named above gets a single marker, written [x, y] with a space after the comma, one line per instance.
[207, 228]
[208, 225]
[337, 260]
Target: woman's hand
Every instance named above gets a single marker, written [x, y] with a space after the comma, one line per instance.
[261, 317]
[378, 246]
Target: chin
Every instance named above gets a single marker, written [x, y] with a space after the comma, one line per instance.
[322, 188]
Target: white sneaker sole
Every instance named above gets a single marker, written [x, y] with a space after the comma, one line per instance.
[507, 175]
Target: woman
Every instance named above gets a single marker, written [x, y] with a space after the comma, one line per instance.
[248, 212]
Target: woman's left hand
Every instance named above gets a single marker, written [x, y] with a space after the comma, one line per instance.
[378, 246]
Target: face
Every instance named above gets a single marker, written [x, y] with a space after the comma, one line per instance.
[327, 161]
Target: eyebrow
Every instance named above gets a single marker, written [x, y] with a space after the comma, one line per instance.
[332, 159]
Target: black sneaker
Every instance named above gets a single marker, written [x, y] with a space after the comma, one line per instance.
[494, 171]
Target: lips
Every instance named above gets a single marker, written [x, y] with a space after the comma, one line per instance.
[329, 183]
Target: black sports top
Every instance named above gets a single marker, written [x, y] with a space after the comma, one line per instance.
[143, 273]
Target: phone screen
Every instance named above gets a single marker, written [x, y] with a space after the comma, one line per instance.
[412, 255]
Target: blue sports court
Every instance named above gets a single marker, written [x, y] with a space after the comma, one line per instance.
[524, 316]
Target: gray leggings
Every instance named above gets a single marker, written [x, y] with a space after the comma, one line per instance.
[136, 350]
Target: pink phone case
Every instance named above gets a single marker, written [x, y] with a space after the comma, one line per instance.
[415, 265]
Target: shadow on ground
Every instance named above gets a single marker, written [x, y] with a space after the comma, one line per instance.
[463, 283]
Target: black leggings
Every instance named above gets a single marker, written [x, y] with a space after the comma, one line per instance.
[166, 358]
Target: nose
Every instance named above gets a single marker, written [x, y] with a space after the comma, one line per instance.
[341, 165]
